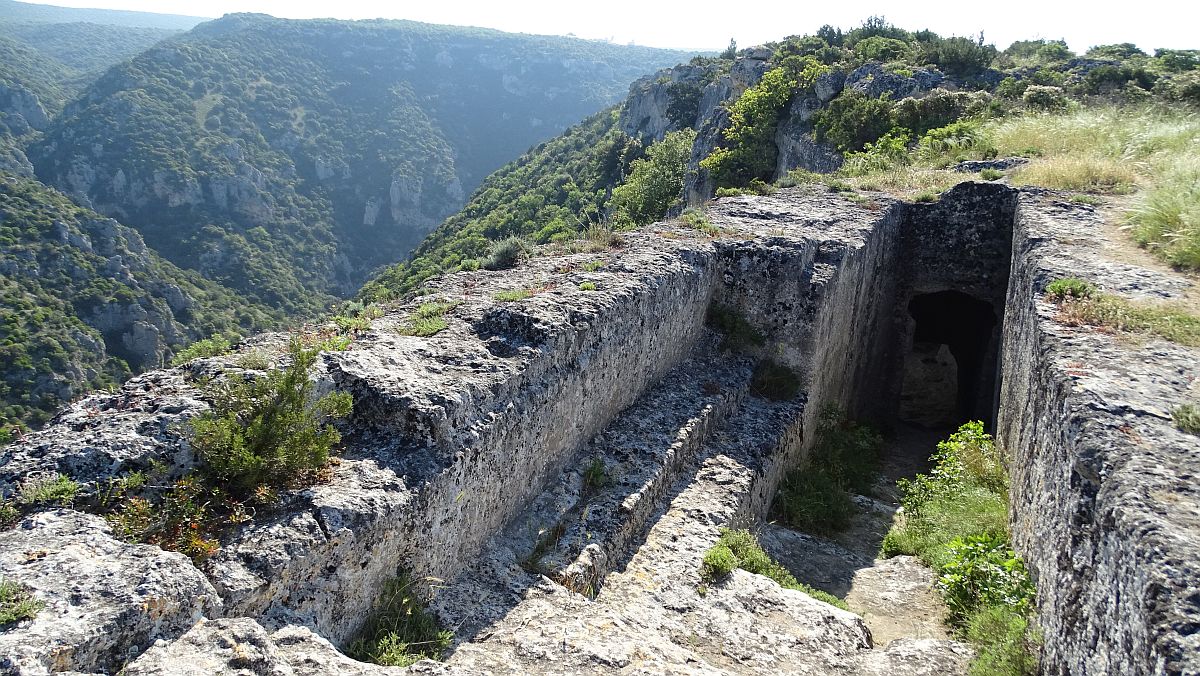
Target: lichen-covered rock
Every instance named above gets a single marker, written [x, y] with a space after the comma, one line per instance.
[105, 600]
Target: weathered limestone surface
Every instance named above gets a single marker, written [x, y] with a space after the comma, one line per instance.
[468, 455]
[105, 600]
[1106, 507]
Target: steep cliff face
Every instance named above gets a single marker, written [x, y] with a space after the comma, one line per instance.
[286, 159]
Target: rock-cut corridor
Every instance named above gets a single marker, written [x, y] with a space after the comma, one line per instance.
[467, 455]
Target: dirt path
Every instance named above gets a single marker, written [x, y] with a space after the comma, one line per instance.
[1116, 244]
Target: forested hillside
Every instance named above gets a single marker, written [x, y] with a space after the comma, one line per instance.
[287, 159]
[877, 107]
[83, 302]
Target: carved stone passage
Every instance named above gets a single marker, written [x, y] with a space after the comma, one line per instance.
[469, 457]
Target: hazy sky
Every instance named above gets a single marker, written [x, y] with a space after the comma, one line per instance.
[701, 24]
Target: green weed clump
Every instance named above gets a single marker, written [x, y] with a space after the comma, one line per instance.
[504, 254]
[991, 174]
[399, 631]
[55, 490]
[1080, 304]
[16, 604]
[1069, 287]
[698, 220]
[740, 549]
[428, 320]
[512, 296]
[270, 430]
[214, 346]
[1187, 418]
[815, 497]
[587, 286]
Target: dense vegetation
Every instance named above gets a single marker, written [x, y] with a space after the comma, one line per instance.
[956, 520]
[286, 159]
[73, 285]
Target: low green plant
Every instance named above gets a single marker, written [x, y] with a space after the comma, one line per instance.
[185, 517]
[1187, 418]
[592, 266]
[213, 346]
[587, 286]
[740, 549]
[815, 497]
[1166, 216]
[925, 197]
[1107, 311]
[774, 381]
[739, 334]
[6, 434]
[595, 475]
[16, 604]
[253, 361]
[1006, 643]
[56, 489]
[512, 296]
[991, 174]
[428, 319]
[983, 571]
[1083, 198]
[1069, 287]
[698, 220]
[9, 514]
[469, 265]
[268, 430]
[504, 254]
[399, 631]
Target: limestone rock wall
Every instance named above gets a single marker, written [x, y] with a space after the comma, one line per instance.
[1105, 502]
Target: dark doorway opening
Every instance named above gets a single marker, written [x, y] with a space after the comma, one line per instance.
[949, 370]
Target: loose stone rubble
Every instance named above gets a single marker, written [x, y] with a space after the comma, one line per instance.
[467, 461]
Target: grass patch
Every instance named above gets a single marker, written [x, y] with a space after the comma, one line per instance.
[428, 320]
[1187, 418]
[815, 497]
[698, 220]
[955, 520]
[592, 266]
[399, 631]
[739, 549]
[587, 286]
[1166, 216]
[991, 174]
[1087, 174]
[774, 381]
[739, 334]
[595, 476]
[512, 296]
[54, 490]
[1114, 313]
[16, 604]
[1069, 287]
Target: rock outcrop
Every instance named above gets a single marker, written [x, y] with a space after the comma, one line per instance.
[560, 464]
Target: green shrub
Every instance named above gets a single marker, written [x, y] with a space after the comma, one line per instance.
[1069, 287]
[469, 265]
[428, 319]
[958, 56]
[991, 174]
[877, 48]
[1046, 98]
[812, 500]
[739, 549]
[748, 150]
[925, 197]
[214, 346]
[655, 182]
[16, 604]
[504, 254]
[853, 120]
[983, 571]
[1187, 418]
[587, 286]
[398, 631]
[698, 220]
[184, 518]
[1166, 216]
[268, 430]
[889, 151]
[955, 141]
[739, 333]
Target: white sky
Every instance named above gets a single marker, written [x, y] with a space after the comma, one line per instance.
[709, 25]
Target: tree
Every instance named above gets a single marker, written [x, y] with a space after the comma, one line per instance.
[730, 51]
[656, 181]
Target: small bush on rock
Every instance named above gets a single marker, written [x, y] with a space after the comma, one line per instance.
[740, 549]
[16, 604]
[504, 254]
[269, 430]
[214, 346]
[1187, 418]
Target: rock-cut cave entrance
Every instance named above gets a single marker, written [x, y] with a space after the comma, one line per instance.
[949, 368]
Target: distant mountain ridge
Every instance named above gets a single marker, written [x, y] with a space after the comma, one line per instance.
[11, 10]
